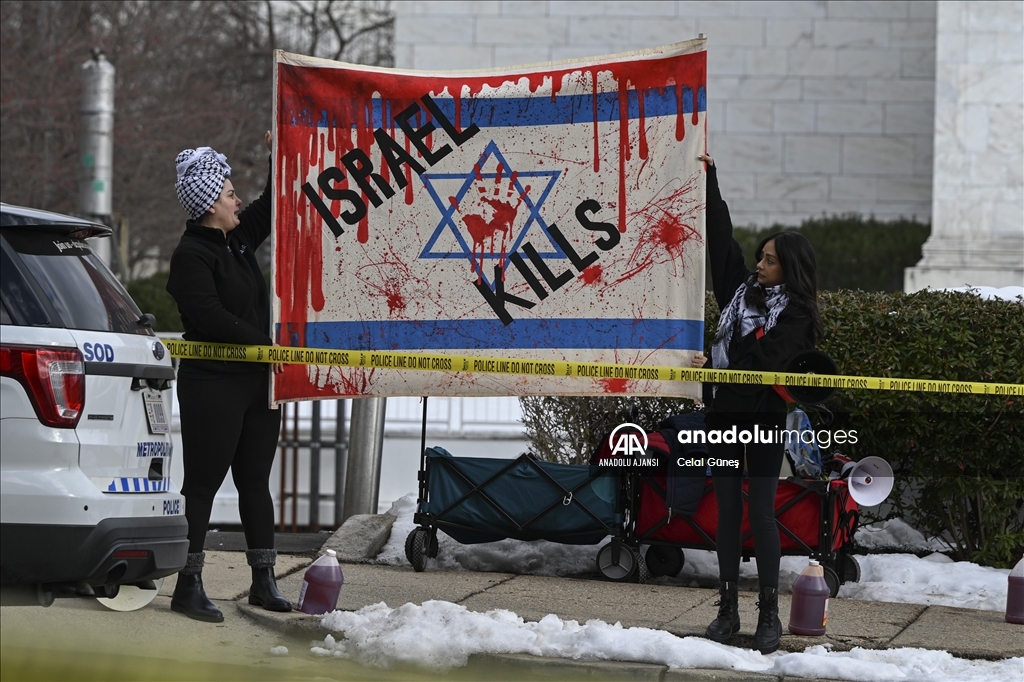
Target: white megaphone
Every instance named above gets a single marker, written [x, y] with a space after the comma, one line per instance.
[869, 480]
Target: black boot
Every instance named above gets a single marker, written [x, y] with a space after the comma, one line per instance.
[189, 597]
[728, 622]
[263, 591]
[769, 627]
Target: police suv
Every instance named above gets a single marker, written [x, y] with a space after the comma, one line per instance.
[87, 506]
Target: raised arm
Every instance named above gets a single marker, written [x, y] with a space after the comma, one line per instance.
[728, 270]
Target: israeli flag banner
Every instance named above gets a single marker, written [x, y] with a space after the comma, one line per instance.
[538, 213]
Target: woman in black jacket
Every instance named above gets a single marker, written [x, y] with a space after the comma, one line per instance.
[767, 317]
[225, 421]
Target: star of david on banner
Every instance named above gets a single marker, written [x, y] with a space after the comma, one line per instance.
[501, 191]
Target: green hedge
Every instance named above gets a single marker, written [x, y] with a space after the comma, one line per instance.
[151, 296]
[853, 252]
[958, 458]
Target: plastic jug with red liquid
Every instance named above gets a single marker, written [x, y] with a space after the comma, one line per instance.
[321, 585]
[1015, 595]
[808, 613]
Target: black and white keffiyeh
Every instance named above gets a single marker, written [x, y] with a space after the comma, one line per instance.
[749, 318]
[201, 175]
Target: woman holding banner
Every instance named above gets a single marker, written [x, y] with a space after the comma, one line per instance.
[225, 421]
[767, 317]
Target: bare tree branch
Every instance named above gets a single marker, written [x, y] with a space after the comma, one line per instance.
[188, 74]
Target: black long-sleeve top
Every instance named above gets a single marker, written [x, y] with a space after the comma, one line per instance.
[792, 333]
[220, 291]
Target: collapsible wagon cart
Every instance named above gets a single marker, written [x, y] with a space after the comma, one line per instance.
[477, 499]
[816, 518]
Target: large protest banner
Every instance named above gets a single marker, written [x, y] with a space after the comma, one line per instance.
[543, 212]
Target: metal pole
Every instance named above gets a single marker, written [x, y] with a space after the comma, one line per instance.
[282, 438]
[295, 468]
[366, 444]
[314, 469]
[340, 463]
[97, 153]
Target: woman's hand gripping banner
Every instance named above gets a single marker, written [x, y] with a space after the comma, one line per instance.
[551, 212]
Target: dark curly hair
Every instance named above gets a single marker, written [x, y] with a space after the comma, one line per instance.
[799, 267]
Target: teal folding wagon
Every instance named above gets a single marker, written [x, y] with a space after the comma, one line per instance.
[477, 499]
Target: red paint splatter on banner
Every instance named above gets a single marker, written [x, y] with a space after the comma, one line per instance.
[484, 229]
[408, 176]
[592, 274]
[666, 225]
[395, 301]
[597, 144]
[388, 279]
[614, 385]
[624, 149]
[643, 128]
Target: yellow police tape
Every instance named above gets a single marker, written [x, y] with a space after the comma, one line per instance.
[408, 360]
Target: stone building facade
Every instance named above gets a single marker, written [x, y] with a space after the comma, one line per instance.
[813, 107]
[978, 184]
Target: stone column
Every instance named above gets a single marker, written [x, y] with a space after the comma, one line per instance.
[978, 180]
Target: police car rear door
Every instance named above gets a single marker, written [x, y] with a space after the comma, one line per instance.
[124, 431]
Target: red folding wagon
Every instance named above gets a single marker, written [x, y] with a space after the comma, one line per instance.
[816, 518]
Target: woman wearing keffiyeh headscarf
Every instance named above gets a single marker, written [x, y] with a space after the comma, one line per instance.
[767, 317]
[225, 421]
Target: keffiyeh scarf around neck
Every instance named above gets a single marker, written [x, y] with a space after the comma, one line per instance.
[748, 317]
[201, 175]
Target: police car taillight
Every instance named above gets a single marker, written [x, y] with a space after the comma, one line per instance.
[54, 379]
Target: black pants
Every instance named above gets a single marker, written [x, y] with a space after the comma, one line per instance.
[763, 462]
[225, 423]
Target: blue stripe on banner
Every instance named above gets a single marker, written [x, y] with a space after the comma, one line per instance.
[493, 336]
[503, 112]
[124, 485]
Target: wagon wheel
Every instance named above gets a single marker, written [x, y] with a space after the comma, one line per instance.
[408, 546]
[849, 568]
[662, 560]
[832, 580]
[642, 572]
[416, 546]
[620, 568]
[432, 544]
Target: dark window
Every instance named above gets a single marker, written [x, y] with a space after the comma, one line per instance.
[77, 283]
[5, 317]
[20, 305]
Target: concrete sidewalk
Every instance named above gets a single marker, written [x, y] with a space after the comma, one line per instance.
[682, 611]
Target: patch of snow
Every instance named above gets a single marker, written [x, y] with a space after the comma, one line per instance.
[439, 635]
